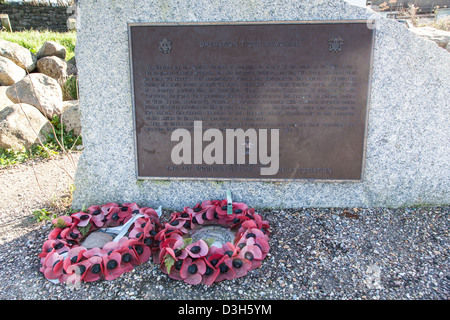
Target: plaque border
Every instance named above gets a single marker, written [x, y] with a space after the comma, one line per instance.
[280, 22]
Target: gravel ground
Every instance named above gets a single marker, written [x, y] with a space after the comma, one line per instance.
[326, 253]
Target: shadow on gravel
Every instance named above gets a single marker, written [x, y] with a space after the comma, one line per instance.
[315, 254]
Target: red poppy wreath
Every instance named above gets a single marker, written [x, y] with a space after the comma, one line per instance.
[63, 257]
[142, 236]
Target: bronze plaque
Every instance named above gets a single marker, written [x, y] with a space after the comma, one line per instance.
[298, 90]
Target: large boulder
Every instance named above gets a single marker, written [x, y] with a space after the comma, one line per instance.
[22, 125]
[4, 100]
[10, 72]
[440, 37]
[57, 68]
[70, 116]
[40, 91]
[21, 56]
[51, 48]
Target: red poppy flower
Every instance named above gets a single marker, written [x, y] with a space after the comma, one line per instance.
[174, 271]
[129, 258]
[238, 208]
[94, 252]
[225, 272]
[222, 208]
[72, 233]
[240, 266]
[112, 268]
[142, 252]
[59, 246]
[74, 255]
[65, 219]
[55, 234]
[215, 258]
[197, 249]
[127, 210]
[97, 215]
[252, 253]
[95, 271]
[229, 249]
[191, 271]
[75, 273]
[138, 229]
[210, 274]
[79, 268]
[174, 224]
[52, 265]
[81, 218]
[195, 210]
[106, 208]
[210, 208]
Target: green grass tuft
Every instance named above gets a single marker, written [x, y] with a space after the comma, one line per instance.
[33, 39]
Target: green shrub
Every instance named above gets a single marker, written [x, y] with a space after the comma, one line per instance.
[70, 89]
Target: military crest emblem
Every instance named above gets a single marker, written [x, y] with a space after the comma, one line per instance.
[335, 44]
[165, 46]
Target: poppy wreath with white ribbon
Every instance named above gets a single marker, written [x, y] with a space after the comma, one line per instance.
[200, 262]
[63, 259]
[142, 236]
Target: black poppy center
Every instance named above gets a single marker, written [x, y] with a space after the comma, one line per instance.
[178, 253]
[195, 249]
[96, 268]
[178, 264]
[127, 257]
[192, 269]
[223, 268]
[81, 269]
[59, 245]
[112, 264]
[237, 263]
[139, 250]
[248, 255]
[208, 271]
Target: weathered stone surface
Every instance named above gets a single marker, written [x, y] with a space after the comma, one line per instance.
[96, 240]
[408, 135]
[70, 116]
[73, 61]
[40, 91]
[440, 37]
[4, 100]
[51, 48]
[10, 72]
[56, 68]
[22, 125]
[21, 56]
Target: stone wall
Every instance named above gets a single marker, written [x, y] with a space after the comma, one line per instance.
[25, 17]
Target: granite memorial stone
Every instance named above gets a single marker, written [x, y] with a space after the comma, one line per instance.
[406, 135]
